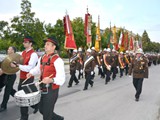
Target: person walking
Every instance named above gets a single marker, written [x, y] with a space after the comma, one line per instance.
[8, 83]
[139, 68]
[30, 59]
[52, 75]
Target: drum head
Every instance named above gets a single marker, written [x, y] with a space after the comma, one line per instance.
[29, 88]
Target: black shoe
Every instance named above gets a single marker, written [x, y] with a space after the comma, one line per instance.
[2, 109]
[92, 84]
[77, 83]
[137, 99]
[35, 110]
[69, 86]
[85, 89]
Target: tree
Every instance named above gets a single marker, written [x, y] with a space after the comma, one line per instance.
[78, 30]
[26, 24]
[145, 41]
[58, 32]
[3, 29]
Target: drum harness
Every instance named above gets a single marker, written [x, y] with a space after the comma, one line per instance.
[44, 87]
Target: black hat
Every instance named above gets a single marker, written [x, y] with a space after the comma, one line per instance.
[53, 40]
[28, 38]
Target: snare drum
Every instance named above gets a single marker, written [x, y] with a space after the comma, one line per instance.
[25, 100]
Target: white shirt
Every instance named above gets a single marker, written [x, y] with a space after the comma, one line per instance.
[59, 79]
[31, 64]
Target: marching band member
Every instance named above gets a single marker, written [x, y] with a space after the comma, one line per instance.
[51, 69]
[121, 63]
[94, 54]
[80, 63]
[127, 61]
[30, 59]
[8, 83]
[73, 67]
[100, 63]
[114, 63]
[107, 62]
[88, 69]
[139, 68]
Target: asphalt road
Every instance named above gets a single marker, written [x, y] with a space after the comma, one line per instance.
[114, 101]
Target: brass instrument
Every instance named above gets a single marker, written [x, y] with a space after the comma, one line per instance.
[122, 65]
[106, 64]
[126, 59]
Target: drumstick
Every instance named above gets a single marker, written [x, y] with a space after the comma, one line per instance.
[42, 82]
[25, 80]
[29, 77]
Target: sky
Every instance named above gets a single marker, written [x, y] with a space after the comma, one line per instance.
[133, 15]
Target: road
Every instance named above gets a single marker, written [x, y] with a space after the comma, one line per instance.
[114, 101]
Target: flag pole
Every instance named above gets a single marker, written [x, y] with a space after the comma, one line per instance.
[100, 43]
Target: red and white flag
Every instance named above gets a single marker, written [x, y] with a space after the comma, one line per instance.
[131, 43]
[69, 38]
[87, 29]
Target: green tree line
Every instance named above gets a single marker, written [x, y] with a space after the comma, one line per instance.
[26, 24]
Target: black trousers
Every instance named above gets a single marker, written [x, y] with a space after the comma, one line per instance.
[24, 110]
[88, 78]
[137, 82]
[121, 72]
[73, 78]
[9, 82]
[114, 72]
[100, 72]
[108, 74]
[2, 80]
[47, 103]
[126, 68]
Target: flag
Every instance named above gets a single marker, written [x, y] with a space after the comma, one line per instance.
[126, 40]
[87, 29]
[120, 40]
[110, 39]
[131, 43]
[115, 42]
[98, 37]
[69, 36]
[114, 35]
[122, 46]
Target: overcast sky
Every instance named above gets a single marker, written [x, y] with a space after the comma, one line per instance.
[134, 15]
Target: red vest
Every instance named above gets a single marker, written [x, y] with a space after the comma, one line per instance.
[49, 69]
[26, 57]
